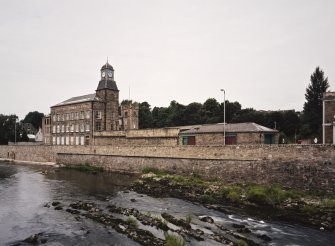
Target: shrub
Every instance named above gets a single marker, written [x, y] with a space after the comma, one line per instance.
[233, 196]
[174, 240]
[153, 170]
[241, 243]
[275, 195]
[188, 219]
[310, 209]
[257, 194]
[131, 221]
[329, 203]
[208, 198]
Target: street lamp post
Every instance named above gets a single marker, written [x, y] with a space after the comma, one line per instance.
[224, 117]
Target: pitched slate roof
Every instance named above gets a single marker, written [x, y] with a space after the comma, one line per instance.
[85, 98]
[232, 128]
[107, 84]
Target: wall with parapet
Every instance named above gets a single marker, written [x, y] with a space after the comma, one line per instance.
[298, 166]
[235, 152]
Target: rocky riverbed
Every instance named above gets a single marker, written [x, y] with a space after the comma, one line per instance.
[261, 201]
[48, 206]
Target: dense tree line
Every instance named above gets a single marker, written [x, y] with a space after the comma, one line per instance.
[288, 122]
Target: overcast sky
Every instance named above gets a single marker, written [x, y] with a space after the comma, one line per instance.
[261, 52]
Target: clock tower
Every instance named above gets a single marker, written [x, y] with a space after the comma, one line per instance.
[108, 92]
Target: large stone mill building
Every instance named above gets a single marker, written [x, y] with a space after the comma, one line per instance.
[75, 121]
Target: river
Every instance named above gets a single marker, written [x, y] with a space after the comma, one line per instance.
[26, 189]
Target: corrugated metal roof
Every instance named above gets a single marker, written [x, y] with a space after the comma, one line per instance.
[218, 128]
[85, 98]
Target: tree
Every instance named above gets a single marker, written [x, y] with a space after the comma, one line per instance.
[145, 116]
[192, 114]
[313, 105]
[7, 129]
[176, 114]
[35, 118]
[211, 110]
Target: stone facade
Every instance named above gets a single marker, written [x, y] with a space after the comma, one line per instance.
[46, 130]
[129, 116]
[328, 120]
[76, 120]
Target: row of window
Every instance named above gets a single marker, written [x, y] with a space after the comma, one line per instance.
[76, 116]
[71, 128]
[69, 140]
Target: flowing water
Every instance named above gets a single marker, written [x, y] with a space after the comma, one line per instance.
[24, 191]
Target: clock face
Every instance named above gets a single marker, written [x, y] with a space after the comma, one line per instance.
[103, 74]
[110, 74]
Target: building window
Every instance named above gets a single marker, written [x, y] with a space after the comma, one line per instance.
[77, 115]
[54, 118]
[72, 128]
[98, 125]
[53, 129]
[82, 114]
[67, 140]
[63, 128]
[87, 140]
[98, 115]
[72, 116]
[77, 127]
[58, 140]
[188, 140]
[82, 127]
[77, 140]
[67, 116]
[58, 128]
[82, 140]
[88, 113]
[54, 140]
[87, 127]
[67, 127]
[62, 140]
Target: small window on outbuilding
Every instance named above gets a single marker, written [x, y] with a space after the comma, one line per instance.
[188, 140]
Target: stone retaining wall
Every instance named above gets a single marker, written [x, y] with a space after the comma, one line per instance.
[305, 175]
[299, 166]
[325, 153]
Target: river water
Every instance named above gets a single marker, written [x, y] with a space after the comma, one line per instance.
[24, 191]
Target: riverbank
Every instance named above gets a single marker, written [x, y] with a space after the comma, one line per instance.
[6, 160]
[268, 202]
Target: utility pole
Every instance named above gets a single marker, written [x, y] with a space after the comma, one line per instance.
[224, 117]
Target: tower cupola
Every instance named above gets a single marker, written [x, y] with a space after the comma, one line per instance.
[107, 78]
